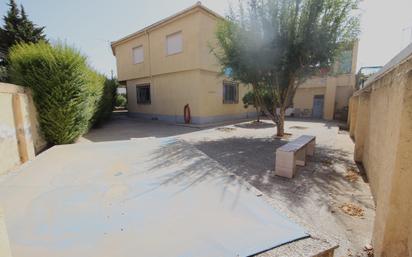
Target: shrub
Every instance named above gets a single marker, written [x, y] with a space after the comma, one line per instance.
[95, 90]
[121, 101]
[3, 73]
[106, 102]
[65, 90]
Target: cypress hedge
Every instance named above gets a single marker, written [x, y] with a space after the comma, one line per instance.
[107, 102]
[66, 91]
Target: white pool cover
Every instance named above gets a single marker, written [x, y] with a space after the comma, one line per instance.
[151, 198]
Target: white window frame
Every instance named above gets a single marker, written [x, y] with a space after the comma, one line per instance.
[177, 47]
[141, 56]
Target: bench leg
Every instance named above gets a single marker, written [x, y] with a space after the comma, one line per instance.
[285, 164]
[310, 148]
[301, 157]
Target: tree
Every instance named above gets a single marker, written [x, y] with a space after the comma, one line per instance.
[275, 45]
[250, 98]
[17, 28]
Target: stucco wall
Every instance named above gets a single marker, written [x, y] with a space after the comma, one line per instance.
[169, 94]
[124, 59]
[202, 90]
[156, 61]
[207, 42]
[381, 124]
[20, 136]
[343, 94]
[9, 151]
[303, 99]
[211, 100]
[335, 89]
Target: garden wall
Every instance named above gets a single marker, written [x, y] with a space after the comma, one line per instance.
[380, 122]
[20, 137]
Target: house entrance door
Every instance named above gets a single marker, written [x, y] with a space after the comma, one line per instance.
[317, 111]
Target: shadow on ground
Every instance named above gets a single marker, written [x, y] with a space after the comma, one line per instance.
[122, 127]
[256, 125]
[254, 159]
[315, 194]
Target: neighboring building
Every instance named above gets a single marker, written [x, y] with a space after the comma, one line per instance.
[168, 65]
[327, 97]
[364, 73]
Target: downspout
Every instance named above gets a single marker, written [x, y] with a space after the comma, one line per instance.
[150, 55]
[150, 61]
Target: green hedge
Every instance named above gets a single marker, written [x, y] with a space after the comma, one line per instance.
[66, 92]
[107, 101]
[120, 101]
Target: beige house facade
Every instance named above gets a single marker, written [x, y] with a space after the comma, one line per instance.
[169, 65]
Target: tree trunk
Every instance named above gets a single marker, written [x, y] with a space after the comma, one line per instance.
[280, 123]
[256, 102]
[257, 114]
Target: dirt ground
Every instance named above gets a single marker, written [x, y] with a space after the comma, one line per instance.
[329, 192]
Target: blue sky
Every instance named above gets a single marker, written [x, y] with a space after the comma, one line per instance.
[90, 25]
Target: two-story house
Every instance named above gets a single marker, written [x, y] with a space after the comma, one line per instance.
[168, 65]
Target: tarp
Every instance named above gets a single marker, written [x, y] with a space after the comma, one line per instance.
[151, 198]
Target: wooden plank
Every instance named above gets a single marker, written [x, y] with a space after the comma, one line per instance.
[19, 124]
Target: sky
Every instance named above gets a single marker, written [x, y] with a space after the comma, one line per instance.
[90, 25]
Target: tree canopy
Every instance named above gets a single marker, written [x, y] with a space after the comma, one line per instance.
[17, 28]
[275, 45]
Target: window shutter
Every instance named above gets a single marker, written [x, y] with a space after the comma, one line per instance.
[138, 55]
[174, 43]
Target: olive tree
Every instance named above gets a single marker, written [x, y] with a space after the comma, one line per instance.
[275, 45]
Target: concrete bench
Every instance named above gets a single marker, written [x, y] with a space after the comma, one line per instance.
[292, 154]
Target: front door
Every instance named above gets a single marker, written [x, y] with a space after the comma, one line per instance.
[317, 111]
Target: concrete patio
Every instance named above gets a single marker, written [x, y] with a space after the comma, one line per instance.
[317, 195]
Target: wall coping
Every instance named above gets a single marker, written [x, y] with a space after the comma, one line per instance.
[12, 89]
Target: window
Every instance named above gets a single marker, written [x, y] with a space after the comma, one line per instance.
[138, 55]
[143, 94]
[345, 62]
[174, 43]
[230, 92]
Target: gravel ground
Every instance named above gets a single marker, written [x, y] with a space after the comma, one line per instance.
[319, 194]
[319, 190]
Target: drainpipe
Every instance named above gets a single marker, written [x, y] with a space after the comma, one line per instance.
[150, 55]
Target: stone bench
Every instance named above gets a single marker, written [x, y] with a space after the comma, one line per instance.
[292, 154]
